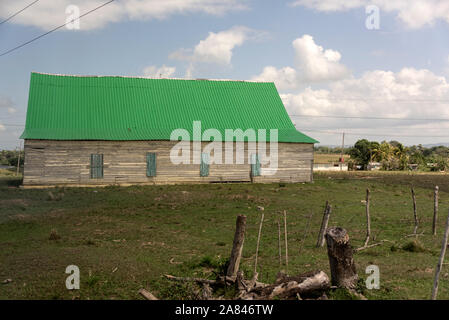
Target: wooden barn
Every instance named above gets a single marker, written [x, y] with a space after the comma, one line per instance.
[103, 130]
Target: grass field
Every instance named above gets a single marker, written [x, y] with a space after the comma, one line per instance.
[123, 239]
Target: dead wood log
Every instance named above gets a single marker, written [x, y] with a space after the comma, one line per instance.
[147, 295]
[206, 292]
[252, 283]
[237, 246]
[311, 284]
[343, 270]
[240, 284]
[220, 281]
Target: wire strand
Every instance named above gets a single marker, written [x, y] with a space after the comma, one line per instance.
[54, 29]
[15, 14]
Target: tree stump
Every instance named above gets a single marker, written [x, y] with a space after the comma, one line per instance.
[343, 271]
[237, 246]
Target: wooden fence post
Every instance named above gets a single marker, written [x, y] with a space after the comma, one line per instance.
[368, 219]
[258, 240]
[440, 261]
[324, 223]
[237, 246]
[279, 244]
[415, 215]
[343, 270]
[435, 211]
[286, 241]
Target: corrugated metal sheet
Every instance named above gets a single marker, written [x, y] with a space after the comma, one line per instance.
[123, 108]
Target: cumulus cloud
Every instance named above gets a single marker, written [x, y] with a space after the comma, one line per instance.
[409, 93]
[217, 47]
[317, 64]
[413, 13]
[285, 78]
[161, 72]
[48, 14]
[312, 64]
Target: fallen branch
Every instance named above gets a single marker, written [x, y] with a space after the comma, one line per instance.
[221, 280]
[147, 295]
[371, 245]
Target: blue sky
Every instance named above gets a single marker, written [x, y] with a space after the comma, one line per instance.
[323, 59]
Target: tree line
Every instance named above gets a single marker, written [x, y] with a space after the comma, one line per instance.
[10, 157]
[393, 155]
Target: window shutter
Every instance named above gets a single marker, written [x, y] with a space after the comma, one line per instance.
[96, 166]
[151, 164]
[255, 165]
[204, 166]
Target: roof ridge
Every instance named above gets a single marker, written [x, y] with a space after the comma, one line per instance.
[143, 77]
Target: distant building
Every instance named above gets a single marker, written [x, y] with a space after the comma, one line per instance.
[102, 130]
[372, 166]
[334, 166]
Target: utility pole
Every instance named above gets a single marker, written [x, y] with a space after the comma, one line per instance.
[18, 159]
[342, 150]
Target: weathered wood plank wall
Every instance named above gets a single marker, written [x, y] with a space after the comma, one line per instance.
[57, 162]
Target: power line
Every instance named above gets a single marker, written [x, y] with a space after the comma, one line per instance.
[15, 14]
[372, 135]
[381, 99]
[59, 27]
[369, 118]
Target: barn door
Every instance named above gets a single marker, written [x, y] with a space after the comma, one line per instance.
[204, 166]
[151, 164]
[96, 166]
[255, 165]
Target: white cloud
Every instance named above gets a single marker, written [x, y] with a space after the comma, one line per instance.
[285, 78]
[409, 93]
[413, 13]
[312, 64]
[316, 64]
[162, 72]
[49, 14]
[217, 47]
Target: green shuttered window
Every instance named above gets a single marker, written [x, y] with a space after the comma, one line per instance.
[151, 164]
[204, 166]
[96, 166]
[255, 165]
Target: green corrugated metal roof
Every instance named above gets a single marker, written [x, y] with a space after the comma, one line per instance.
[125, 108]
